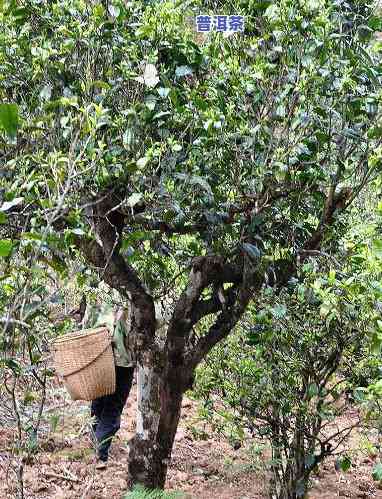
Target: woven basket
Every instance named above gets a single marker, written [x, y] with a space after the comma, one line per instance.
[84, 359]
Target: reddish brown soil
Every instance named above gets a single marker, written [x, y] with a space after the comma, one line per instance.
[203, 469]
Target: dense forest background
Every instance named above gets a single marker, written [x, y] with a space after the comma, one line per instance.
[228, 183]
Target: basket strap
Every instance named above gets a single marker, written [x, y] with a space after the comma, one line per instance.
[89, 363]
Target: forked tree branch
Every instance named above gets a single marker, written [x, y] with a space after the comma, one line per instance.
[107, 226]
[189, 309]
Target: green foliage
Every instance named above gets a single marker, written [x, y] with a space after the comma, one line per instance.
[9, 118]
[344, 463]
[142, 493]
[54, 420]
[298, 357]
[204, 134]
[239, 137]
[248, 147]
[5, 247]
[377, 472]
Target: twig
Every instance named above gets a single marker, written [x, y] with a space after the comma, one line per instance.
[71, 478]
[6, 320]
[318, 253]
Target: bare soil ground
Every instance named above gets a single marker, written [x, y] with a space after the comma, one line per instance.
[203, 469]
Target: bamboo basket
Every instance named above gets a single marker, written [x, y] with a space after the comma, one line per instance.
[85, 361]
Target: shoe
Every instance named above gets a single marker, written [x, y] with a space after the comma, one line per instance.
[101, 464]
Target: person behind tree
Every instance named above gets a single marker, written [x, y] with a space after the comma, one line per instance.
[106, 411]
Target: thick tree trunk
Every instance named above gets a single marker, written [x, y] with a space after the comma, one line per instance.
[159, 408]
[171, 406]
[143, 449]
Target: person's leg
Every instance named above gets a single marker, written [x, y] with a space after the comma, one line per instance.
[110, 419]
[96, 409]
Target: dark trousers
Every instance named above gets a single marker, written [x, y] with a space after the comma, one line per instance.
[107, 410]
